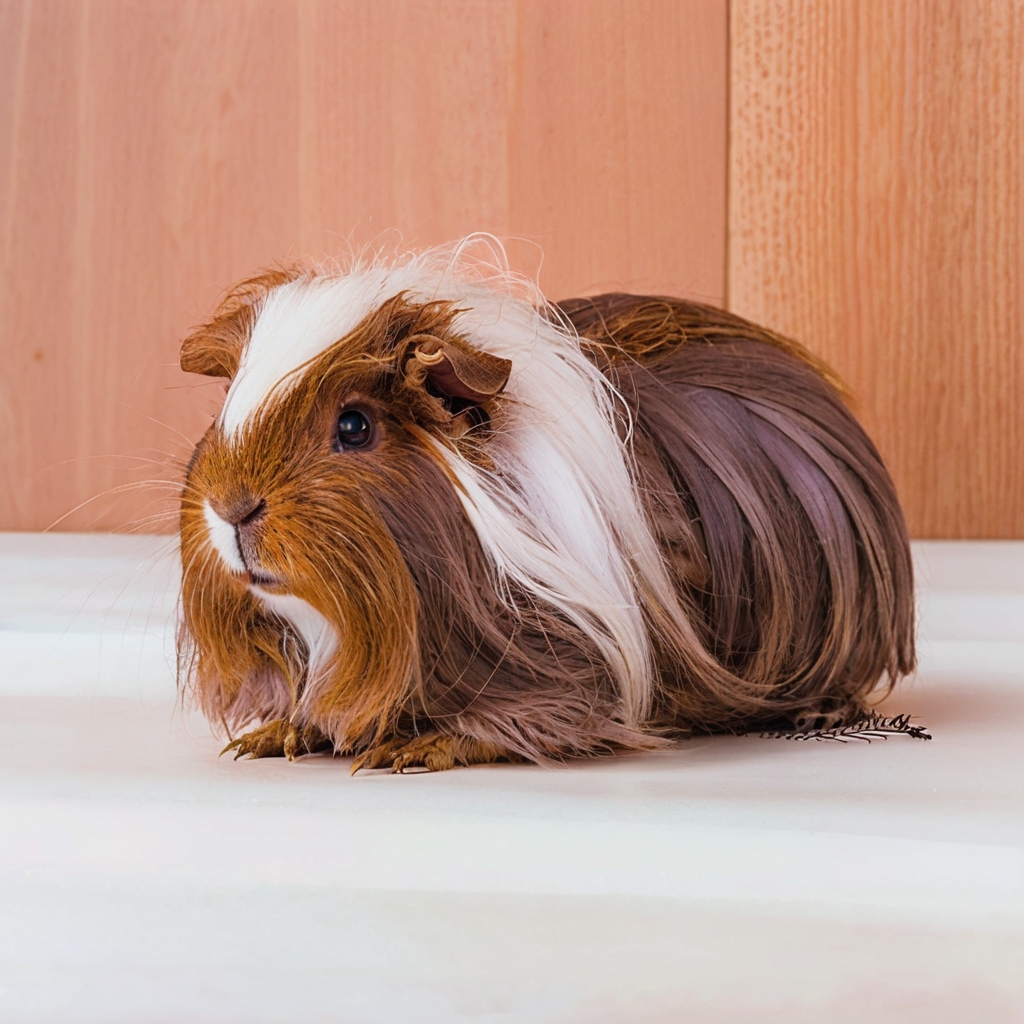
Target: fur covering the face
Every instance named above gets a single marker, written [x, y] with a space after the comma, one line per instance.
[439, 521]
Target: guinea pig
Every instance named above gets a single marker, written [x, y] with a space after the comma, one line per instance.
[439, 521]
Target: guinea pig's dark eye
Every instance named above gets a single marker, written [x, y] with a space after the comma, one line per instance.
[354, 429]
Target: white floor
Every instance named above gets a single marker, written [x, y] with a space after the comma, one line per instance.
[142, 879]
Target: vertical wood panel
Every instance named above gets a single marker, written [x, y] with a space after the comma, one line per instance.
[152, 153]
[404, 121]
[876, 212]
[142, 175]
[615, 143]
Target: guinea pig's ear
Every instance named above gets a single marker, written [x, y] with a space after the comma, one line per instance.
[215, 348]
[456, 369]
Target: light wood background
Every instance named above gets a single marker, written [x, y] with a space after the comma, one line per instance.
[152, 153]
[876, 212]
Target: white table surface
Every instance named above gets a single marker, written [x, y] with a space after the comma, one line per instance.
[143, 879]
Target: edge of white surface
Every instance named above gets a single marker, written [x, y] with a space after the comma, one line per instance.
[94, 614]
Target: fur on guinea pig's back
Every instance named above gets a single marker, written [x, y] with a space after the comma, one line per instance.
[439, 522]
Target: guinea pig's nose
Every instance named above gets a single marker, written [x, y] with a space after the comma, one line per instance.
[244, 511]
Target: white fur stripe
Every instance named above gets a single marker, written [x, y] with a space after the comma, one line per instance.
[297, 321]
[559, 515]
[223, 539]
[316, 632]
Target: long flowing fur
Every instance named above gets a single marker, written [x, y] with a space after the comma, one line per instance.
[798, 566]
[667, 521]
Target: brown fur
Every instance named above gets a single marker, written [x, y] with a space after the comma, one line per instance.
[356, 579]
[777, 521]
[529, 683]
[642, 328]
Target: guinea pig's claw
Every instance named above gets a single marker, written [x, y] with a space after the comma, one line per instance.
[429, 752]
[280, 738]
[233, 745]
[267, 740]
[375, 757]
[239, 746]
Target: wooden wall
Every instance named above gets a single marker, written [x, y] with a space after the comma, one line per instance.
[876, 211]
[153, 152]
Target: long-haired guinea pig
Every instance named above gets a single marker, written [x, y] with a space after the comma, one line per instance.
[439, 521]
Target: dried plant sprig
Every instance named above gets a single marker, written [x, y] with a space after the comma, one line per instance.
[870, 727]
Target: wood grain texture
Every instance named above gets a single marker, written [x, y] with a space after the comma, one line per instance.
[876, 212]
[153, 153]
[620, 111]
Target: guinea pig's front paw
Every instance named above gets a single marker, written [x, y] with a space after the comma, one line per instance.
[279, 738]
[433, 752]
